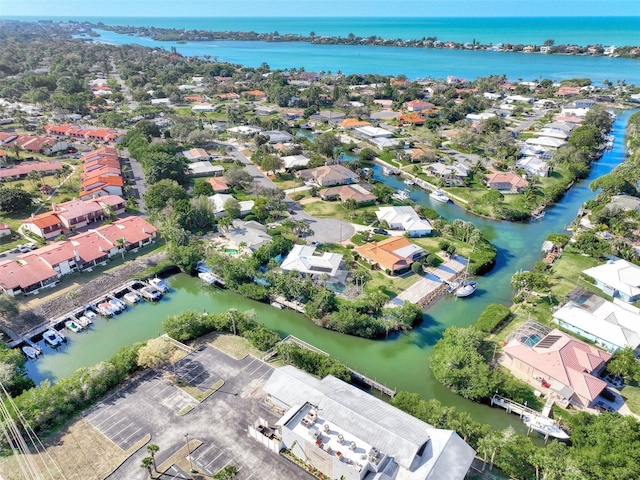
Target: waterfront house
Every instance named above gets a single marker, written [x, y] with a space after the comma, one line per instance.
[547, 142]
[303, 259]
[327, 116]
[394, 254]
[25, 275]
[370, 132]
[569, 366]
[607, 324]
[347, 433]
[452, 174]
[348, 192]
[91, 248]
[251, 235]
[351, 123]
[626, 203]
[135, 231]
[278, 136]
[328, 175]
[404, 218]
[566, 92]
[60, 256]
[506, 183]
[618, 279]
[534, 165]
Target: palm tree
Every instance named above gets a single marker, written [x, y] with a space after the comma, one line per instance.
[147, 463]
[121, 244]
[152, 448]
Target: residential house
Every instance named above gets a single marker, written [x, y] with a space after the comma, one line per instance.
[411, 119]
[419, 106]
[348, 192]
[372, 132]
[244, 130]
[196, 155]
[291, 162]
[77, 213]
[135, 231]
[404, 218]
[278, 136]
[547, 142]
[327, 116]
[25, 275]
[204, 169]
[45, 225]
[506, 183]
[347, 433]
[328, 175]
[228, 96]
[394, 254]
[566, 92]
[534, 165]
[251, 235]
[60, 256]
[584, 103]
[452, 174]
[624, 202]
[303, 259]
[111, 204]
[608, 325]
[23, 169]
[220, 199]
[219, 184]
[570, 366]
[618, 279]
[5, 230]
[351, 123]
[256, 94]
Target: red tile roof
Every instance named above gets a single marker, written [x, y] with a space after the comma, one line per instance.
[132, 229]
[90, 246]
[14, 275]
[53, 254]
[44, 220]
[24, 168]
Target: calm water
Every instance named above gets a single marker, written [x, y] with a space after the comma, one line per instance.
[412, 62]
[401, 361]
[564, 30]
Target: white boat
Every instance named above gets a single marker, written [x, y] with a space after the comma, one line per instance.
[90, 314]
[132, 298]
[386, 171]
[151, 294]
[409, 182]
[30, 352]
[75, 327]
[117, 305]
[105, 309]
[84, 321]
[545, 426]
[439, 196]
[159, 284]
[402, 195]
[466, 290]
[210, 278]
[52, 337]
[277, 305]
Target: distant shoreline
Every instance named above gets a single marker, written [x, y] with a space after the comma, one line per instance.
[184, 36]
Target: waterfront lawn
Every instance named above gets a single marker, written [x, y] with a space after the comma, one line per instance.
[390, 286]
[567, 273]
[233, 345]
[631, 394]
[336, 210]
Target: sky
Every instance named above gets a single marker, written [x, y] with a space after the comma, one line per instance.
[319, 8]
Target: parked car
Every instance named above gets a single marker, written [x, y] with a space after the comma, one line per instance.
[380, 231]
[30, 246]
[23, 248]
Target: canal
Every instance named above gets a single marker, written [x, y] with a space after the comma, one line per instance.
[402, 361]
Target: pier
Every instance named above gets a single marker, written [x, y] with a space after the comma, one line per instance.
[298, 307]
[357, 376]
[514, 407]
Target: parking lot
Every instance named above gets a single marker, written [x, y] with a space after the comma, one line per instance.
[150, 404]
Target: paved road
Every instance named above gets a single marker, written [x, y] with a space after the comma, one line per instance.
[325, 230]
[527, 123]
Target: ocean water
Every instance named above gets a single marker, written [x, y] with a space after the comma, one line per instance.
[565, 30]
[412, 62]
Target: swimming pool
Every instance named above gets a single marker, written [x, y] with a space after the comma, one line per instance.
[531, 340]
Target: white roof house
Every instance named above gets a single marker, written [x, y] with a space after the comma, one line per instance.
[404, 218]
[387, 442]
[373, 132]
[553, 133]
[203, 107]
[244, 130]
[534, 165]
[219, 199]
[293, 161]
[204, 169]
[302, 259]
[617, 278]
[547, 142]
[607, 324]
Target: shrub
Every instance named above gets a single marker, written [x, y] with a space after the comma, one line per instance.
[492, 317]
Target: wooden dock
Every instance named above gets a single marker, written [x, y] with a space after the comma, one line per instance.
[514, 407]
[298, 307]
[359, 377]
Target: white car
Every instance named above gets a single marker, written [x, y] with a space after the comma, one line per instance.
[30, 246]
[23, 248]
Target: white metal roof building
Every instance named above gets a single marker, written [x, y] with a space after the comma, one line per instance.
[404, 218]
[411, 448]
[302, 259]
[617, 278]
[607, 324]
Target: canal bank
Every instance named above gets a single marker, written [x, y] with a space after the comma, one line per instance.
[402, 362]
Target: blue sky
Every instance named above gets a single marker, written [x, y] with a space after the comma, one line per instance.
[311, 8]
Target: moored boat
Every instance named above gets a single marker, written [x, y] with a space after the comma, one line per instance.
[74, 326]
[159, 284]
[52, 338]
[115, 306]
[211, 278]
[151, 294]
[402, 195]
[409, 182]
[31, 352]
[439, 196]
[105, 309]
[90, 314]
[466, 290]
[277, 305]
[545, 426]
[132, 297]
[84, 321]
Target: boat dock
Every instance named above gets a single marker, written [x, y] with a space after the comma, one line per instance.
[433, 285]
[357, 376]
[514, 407]
[298, 307]
[59, 323]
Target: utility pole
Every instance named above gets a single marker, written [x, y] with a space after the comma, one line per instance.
[191, 469]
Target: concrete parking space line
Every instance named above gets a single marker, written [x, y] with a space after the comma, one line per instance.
[123, 442]
[162, 391]
[109, 428]
[223, 467]
[246, 366]
[99, 424]
[219, 455]
[267, 372]
[155, 383]
[249, 477]
[259, 367]
[123, 429]
[204, 452]
[99, 413]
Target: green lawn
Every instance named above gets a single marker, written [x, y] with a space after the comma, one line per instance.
[391, 286]
[336, 210]
[631, 394]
